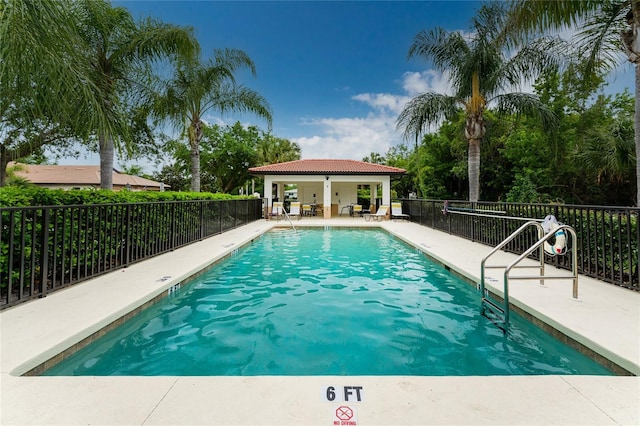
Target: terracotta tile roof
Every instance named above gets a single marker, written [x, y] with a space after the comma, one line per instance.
[315, 167]
[44, 174]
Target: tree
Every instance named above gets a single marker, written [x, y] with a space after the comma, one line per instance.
[92, 62]
[173, 175]
[121, 53]
[374, 158]
[272, 150]
[480, 67]
[227, 155]
[39, 99]
[609, 30]
[197, 88]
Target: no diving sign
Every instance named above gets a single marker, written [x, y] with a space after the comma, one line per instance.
[345, 415]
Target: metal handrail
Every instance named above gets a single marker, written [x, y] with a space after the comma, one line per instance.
[539, 245]
[506, 241]
[289, 218]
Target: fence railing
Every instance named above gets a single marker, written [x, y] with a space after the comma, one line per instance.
[43, 249]
[607, 237]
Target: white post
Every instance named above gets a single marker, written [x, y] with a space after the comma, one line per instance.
[327, 198]
[374, 195]
[268, 190]
[386, 191]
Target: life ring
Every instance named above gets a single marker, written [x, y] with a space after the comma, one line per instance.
[557, 245]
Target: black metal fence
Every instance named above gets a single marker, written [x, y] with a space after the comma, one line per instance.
[43, 249]
[607, 237]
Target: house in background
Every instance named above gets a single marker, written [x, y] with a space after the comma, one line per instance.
[331, 185]
[80, 177]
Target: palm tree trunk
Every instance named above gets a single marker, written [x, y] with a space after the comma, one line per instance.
[474, 170]
[195, 136]
[106, 162]
[631, 41]
[636, 128]
[195, 168]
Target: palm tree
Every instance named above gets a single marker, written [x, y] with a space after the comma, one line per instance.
[121, 53]
[481, 69]
[39, 97]
[609, 30]
[198, 88]
[80, 66]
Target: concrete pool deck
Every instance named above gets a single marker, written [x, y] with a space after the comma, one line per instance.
[605, 318]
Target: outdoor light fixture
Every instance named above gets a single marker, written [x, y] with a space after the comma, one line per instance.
[327, 177]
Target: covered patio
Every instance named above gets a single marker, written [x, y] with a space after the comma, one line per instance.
[331, 186]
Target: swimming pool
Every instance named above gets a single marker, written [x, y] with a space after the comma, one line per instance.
[324, 302]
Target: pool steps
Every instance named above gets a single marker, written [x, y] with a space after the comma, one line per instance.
[499, 315]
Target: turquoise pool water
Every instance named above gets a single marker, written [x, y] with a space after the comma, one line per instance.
[324, 302]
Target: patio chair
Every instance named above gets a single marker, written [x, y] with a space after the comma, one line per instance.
[357, 210]
[396, 211]
[276, 210]
[307, 210]
[380, 215]
[294, 210]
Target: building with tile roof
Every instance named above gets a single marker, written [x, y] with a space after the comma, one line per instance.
[81, 177]
[330, 184]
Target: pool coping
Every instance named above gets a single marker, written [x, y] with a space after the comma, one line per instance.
[35, 331]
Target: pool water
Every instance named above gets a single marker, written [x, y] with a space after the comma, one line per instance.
[324, 302]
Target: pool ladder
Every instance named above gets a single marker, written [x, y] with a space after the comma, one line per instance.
[289, 218]
[499, 314]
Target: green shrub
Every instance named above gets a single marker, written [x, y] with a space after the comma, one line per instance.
[26, 197]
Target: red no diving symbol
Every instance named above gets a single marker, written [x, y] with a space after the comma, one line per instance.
[344, 413]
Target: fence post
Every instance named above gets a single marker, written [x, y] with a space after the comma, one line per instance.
[434, 211]
[202, 220]
[221, 206]
[128, 237]
[174, 236]
[44, 253]
[235, 215]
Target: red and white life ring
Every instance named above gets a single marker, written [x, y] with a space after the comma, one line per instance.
[557, 245]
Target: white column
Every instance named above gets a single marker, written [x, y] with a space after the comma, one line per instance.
[386, 191]
[374, 195]
[326, 203]
[280, 191]
[268, 183]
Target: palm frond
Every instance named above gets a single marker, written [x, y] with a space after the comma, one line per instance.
[610, 151]
[156, 40]
[601, 38]
[233, 59]
[446, 51]
[229, 98]
[525, 104]
[425, 110]
[535, 16]
[529, 61]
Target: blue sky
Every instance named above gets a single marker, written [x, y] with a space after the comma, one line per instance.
[336, 74]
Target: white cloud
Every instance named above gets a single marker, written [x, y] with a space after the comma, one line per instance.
[357, 137]
[350, 138]
[383, 101]
[415, 83]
